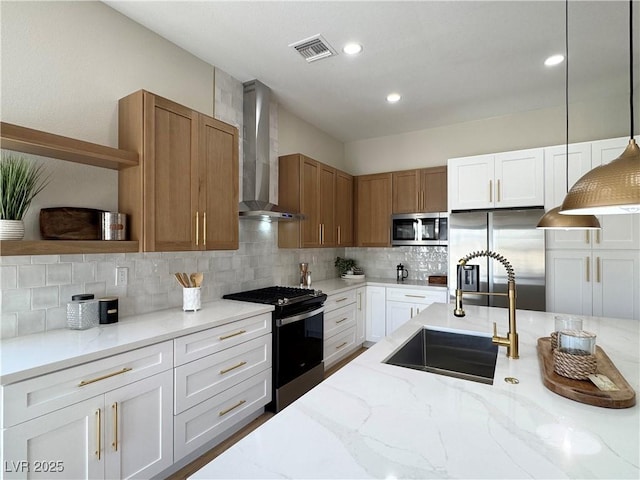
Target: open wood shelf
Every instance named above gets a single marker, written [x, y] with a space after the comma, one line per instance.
[65, 247]
[36, 142]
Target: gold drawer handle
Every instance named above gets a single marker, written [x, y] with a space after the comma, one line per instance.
[227, 370]
[239, 332]
[342, 299]
[414, 296]
[98, 434]
[114, 444]
[108, 375]
[341, 345]
[224, 412]
[342, 320]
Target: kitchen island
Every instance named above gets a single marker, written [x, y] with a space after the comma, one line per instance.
[374, 420]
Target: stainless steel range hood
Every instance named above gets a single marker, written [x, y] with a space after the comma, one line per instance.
[255, 164]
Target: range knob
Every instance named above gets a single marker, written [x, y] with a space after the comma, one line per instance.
[317, 293]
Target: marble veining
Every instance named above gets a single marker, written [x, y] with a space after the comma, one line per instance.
[373, 420]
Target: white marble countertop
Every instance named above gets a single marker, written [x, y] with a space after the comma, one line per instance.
[373, 420]
[40, 353]
[338, 285]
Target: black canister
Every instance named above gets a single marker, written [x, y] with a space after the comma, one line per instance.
[108, 310]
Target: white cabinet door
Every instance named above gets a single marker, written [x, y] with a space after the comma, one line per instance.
[569, 281]
[616, 284]
[375, 325]
[139, 428]
[399, 313]
[470, 182]
[361, 293]
[69, 442]
[519, 178]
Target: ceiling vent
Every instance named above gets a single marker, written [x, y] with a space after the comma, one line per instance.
[313, 48]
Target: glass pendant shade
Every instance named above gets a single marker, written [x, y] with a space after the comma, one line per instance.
[609, 189]
[552, 220]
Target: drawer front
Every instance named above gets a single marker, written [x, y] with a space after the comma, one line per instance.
[200, 380]
[339, 346]
[38, 396]
[202, 423]
[339, 320]
[416, 295]
[198, 345]
[339, 300]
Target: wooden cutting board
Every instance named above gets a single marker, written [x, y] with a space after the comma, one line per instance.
[585, 391]
[70, 223]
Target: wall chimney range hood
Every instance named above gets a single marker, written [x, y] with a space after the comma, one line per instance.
[255, 202]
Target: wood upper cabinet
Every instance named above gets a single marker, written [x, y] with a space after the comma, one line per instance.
[417, 191]
[322, 195]
[373, 210]
[184, 194]
[344, 209]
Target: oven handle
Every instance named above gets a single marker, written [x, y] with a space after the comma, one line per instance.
[280, 322]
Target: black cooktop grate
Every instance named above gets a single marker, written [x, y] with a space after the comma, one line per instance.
[269, 295]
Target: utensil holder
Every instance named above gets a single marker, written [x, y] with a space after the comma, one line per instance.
[191, 299]
[82, 314]
[564, 322]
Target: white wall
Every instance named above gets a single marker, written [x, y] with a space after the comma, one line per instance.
[298, 136]
[606, 117]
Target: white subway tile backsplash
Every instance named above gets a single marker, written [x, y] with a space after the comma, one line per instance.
[46, 259]
[8, 276]
[44, 297]
[83, 272]
[31, 322]
[31, 276]
[59, 273]
[56, 317]
[16, 300]
[8, 325]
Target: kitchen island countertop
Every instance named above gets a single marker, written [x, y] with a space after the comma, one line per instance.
[373, 420]
[338, 285]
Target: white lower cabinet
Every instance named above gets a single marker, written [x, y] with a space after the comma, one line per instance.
[340, 326]
[121, 432]
[403, 304]
[375, 313]
[222, 376]
[603, 283]
[361, 296]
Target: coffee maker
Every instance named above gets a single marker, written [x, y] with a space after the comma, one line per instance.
[305, 275]
[401, 273]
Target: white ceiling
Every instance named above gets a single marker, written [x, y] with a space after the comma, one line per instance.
[452, 61]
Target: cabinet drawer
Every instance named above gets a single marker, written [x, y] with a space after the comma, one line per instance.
[339, 320]
[198, 345]
[339, 346]
[416, 295]
[197, 381]
[202, 423]
[339, 300]
[37, 396]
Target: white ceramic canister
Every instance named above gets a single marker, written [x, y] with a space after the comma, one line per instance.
[191, 299]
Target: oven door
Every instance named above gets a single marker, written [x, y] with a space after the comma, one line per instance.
[298, 345]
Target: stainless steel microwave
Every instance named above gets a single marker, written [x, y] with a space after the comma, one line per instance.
[419, 229]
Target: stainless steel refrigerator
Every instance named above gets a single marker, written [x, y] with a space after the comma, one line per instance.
[512, 234]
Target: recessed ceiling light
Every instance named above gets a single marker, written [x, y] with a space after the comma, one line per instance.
[352, 48]
[554, 60]
[393, 97]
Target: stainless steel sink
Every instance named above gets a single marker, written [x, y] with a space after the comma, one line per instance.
[460, 355]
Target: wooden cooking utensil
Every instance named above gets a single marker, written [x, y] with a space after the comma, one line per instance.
[196, 278]
[185, 280]
[179, 279]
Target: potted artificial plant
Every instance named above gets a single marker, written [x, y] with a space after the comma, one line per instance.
[20, 181]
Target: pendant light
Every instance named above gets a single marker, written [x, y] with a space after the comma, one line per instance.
[613, 188]
[552, 220]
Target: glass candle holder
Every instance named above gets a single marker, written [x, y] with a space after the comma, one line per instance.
[577, 342]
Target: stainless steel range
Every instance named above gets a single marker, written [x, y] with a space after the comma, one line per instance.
[298, 331]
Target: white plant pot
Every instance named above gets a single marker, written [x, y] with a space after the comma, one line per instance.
[11, 229]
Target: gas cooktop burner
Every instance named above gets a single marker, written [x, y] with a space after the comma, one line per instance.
[275, 295]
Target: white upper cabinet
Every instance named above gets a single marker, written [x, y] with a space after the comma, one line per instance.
[502, 180]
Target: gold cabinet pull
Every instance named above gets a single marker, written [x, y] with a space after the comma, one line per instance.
[341, 345]
[586, 236]
[359, 300]
[498, 191]
[224, 412]
[341, 299]
[239, 332]
[411, 315]
[227, 370]
[588, 272]
[204, 229]
[490, 191]
[597, 236]
[108, 375]
[598, 269]
[413, 296]
[114, 444]
[339, 235]
[342, 320]
[197, 227]
[99, 434]
[417, 311]
[319, 234]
